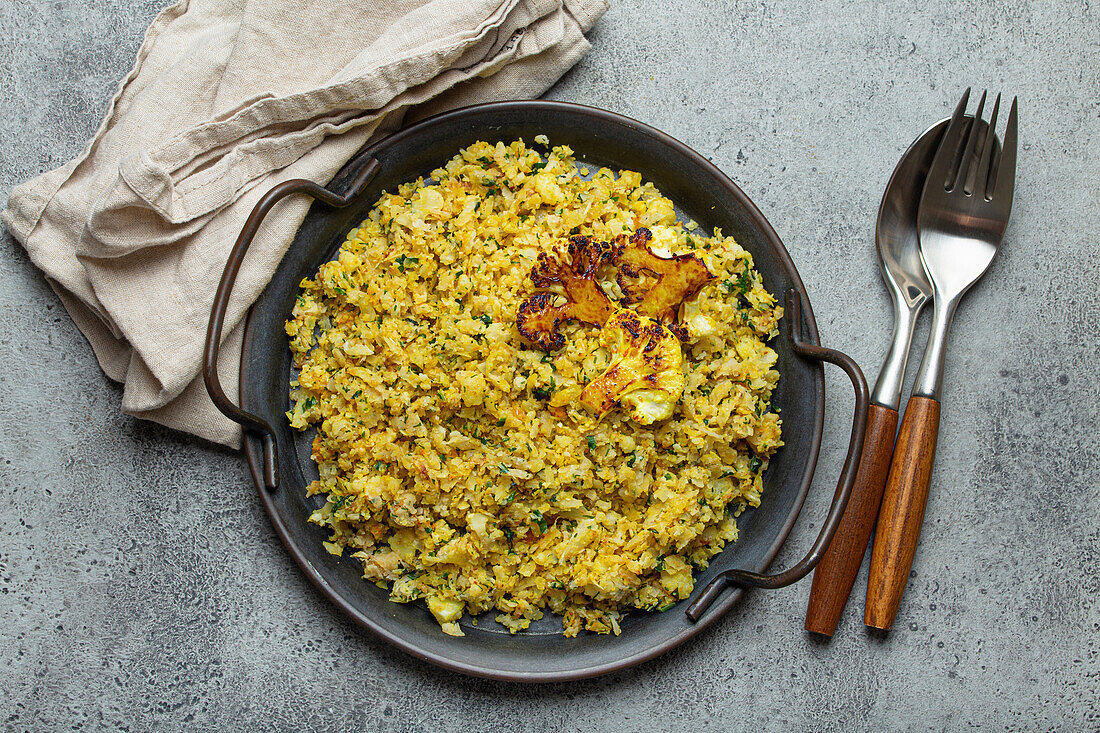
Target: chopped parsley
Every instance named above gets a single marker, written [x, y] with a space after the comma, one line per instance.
[744, 282]
[404, 261]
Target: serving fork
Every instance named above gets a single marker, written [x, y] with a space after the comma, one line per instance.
[962, 218]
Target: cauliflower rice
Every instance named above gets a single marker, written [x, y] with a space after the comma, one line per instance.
[457, 463]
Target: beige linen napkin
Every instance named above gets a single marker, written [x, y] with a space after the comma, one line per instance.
[228, 98]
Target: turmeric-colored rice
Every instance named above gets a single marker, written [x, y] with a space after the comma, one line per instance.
[457, 463]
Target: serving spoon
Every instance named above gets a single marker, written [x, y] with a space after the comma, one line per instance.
[899, 259]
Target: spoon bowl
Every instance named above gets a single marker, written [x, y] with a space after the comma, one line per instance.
[899, 258]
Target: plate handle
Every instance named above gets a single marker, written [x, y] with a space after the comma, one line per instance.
[247, 420]
[844, 485]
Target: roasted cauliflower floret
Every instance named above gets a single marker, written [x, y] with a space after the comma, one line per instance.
[572, 277]
[646, 373]
[679, 278]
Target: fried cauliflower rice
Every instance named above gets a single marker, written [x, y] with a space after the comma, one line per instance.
[459, 465]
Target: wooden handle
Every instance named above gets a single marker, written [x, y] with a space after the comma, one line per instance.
[836, 573]
[902, 512]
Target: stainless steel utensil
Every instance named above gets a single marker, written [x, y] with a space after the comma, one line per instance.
[962, 219]
[910, 290]
[899, 260]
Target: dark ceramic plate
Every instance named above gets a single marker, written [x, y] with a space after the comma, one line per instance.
[599, 138]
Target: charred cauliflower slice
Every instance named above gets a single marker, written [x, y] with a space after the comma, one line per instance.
[574, 277]
[568, 288]
[646, 373]
[679, 278]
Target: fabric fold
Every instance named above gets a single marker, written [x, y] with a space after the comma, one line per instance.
[226, 99]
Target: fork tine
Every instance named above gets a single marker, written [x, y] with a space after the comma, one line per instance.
[985, 170]
[1006, 166]
[962, 176]
[943, 164]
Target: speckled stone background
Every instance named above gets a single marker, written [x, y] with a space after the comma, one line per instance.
[141, 586]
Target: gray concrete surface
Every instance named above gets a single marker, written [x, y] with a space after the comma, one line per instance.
[141, 586]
